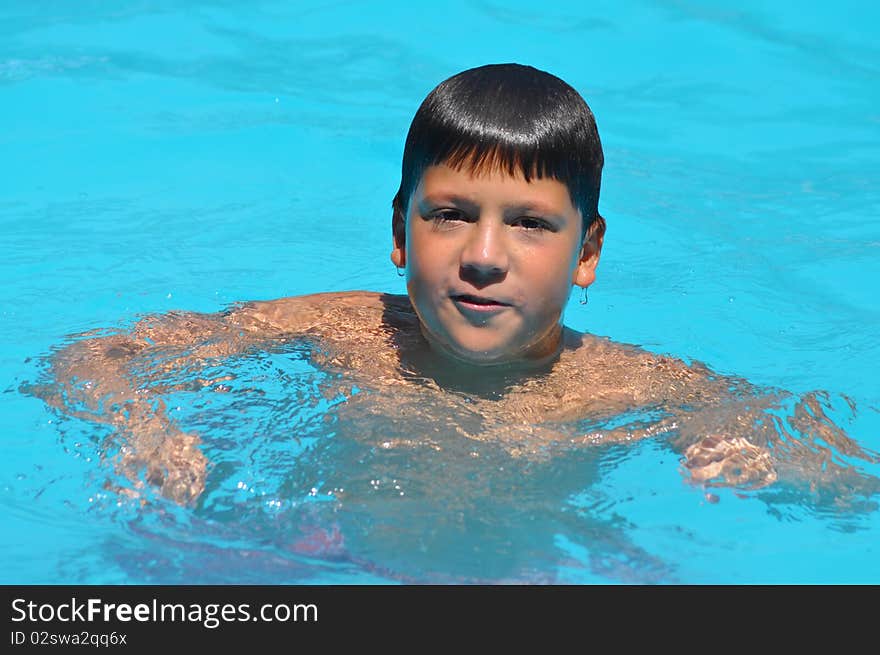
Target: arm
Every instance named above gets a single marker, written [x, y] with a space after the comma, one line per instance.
[108, 378]
[94, 378]
[754, 441]
[732, 433]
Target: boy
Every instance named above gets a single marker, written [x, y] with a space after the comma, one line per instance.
[495, 220]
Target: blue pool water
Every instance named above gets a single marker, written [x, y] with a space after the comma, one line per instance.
[172, 154]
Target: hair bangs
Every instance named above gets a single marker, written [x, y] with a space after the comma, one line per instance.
[481, 158]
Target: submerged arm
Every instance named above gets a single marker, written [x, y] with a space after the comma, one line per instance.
[103, 378]
[752, 442]
[732, 433]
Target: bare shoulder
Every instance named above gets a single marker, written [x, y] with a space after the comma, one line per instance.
[604, 366]
[598, 352]
[296, 314]
[590, 348]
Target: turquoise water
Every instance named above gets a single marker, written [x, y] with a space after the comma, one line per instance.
[165, 155]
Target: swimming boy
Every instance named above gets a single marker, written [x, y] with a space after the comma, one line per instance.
[495, 221]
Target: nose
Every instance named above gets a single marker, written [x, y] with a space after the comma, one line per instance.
[484, 257]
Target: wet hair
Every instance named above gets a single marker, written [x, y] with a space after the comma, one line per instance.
[505, 117]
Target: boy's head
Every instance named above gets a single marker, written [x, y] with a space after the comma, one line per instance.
[497, 213]
[507, 117]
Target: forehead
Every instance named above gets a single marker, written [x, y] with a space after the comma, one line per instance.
[442, 182]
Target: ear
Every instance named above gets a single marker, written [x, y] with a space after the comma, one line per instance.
[398, 232]
[585, 272]
[398, 255]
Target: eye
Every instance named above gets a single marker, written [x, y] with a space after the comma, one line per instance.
[444, 216]
[532, 223]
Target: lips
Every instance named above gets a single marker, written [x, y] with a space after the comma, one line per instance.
[479, 303]
[484, 301]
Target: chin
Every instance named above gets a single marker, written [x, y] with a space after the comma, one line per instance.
[472, 349]
[480, 356]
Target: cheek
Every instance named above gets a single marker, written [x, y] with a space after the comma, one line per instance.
[417, 249]
[428, 260]
[425, 276]
[551, 276]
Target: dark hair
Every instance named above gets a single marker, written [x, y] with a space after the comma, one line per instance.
[505, 116]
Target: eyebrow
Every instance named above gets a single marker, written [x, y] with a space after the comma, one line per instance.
[466, 203]
[444, 199]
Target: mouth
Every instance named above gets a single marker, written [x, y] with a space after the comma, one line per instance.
[478, 303]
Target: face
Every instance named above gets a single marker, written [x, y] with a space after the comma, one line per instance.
[490, 260]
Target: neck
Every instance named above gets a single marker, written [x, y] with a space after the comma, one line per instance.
[485, 378]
